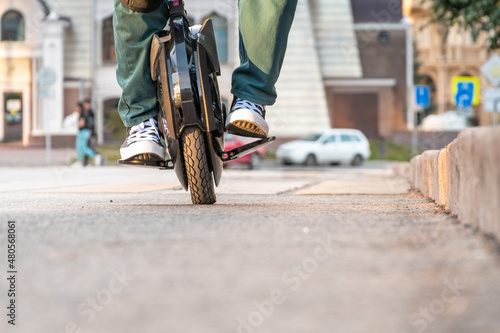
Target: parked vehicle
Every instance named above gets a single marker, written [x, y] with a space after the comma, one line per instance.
[252, 160]
[346, 146]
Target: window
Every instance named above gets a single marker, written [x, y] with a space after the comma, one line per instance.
[221, 34]
[311, 137]
[113, 130]
[470, 40]
[423, 33]
[354, 138]
[330, 139]
[13, 26]
[384, 38]
[108, 41]
[345, 138]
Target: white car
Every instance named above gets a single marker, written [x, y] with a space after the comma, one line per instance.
[346, 146]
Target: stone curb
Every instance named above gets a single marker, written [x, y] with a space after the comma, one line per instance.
[464, 177]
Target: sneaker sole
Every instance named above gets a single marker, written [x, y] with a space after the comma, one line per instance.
[245, 128]
[142, 148]
[143, 159]
[246, 123]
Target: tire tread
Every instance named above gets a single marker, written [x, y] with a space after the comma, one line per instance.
[199, 176]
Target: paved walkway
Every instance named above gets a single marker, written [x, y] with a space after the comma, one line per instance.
[121, 249]
[17, 155]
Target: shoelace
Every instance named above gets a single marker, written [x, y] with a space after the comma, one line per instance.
[244, 104]
[145, 131]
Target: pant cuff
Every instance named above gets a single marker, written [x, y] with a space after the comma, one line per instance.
[253, 99]
[139, 119]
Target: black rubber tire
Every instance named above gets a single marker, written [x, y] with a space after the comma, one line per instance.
[310, 160]
[200, 180]
[357, 160]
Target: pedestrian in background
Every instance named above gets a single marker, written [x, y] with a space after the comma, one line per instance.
[90, 123]
[86, 129]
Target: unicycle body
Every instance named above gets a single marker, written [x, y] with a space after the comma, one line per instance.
[191, 118]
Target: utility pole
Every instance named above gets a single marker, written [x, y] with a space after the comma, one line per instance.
[410, 114]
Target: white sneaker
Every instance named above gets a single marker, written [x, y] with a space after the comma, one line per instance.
[77, 165]
[247, 119]
[98, 160]
[195, 31]
[143, 142]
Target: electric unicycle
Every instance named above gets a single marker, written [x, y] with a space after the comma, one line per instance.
[185, 65]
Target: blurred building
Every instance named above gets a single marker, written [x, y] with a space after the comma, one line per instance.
[23, 52]
[54, 53]
[440, 61]
[346, 66]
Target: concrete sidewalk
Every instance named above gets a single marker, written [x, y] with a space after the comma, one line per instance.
[129, 179]
[121, 249]
[17, 155]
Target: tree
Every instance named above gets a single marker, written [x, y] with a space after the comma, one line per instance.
[475, 16]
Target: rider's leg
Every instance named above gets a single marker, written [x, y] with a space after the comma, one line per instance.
[87, 151]
[79, 146]
[82, 148]
[134, 30]
[264, 27]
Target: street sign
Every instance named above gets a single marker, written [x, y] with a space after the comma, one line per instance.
[422, 96]
[492, 102]
[491, 99]
[464, 95]
[465, 91]
[491, 69]
[46, 76]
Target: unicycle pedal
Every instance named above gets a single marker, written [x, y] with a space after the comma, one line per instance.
[148, 160]
[246, 149]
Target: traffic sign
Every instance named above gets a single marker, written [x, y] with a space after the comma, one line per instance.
[491, 99]
[422, 96]
[465, 91]
[46, 76]
[492, 102]
[491, 69]
[464, 95]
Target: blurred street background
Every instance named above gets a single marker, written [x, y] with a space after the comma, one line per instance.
[301, 239]
[383, 67]
[285, 249]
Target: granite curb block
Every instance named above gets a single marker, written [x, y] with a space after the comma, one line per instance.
[464, 177]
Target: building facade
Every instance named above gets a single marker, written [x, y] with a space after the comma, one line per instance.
[54, 53]
[440, 61]
[346, 66]
[31, 69]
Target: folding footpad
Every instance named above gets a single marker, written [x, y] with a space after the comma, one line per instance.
[148, 160]
[246, 149]
[154, 161]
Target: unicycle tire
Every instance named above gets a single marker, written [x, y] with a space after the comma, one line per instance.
[199, 176]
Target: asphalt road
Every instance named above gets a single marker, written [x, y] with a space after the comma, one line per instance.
[120, 249]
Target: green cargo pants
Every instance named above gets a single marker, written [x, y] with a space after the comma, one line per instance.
[263, 24]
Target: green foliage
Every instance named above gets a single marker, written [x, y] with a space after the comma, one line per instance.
[475, 16]
[393, 151]
[111, 153]
[114, 130]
